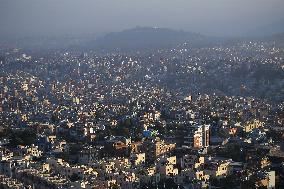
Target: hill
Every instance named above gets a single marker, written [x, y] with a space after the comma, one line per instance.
[146, 38]
[267, 30]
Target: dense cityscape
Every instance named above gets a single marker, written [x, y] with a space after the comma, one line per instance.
[151, 94]
[182, 117]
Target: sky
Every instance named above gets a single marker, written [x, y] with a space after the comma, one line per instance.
[210, 17]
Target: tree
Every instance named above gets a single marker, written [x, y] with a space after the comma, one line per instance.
[74, 177]
[26, 137]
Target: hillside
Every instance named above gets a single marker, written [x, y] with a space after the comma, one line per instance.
[146, 38]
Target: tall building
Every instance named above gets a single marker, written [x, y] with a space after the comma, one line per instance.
[206, 131]
[198, 136]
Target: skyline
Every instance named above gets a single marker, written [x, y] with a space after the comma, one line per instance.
[235, 18]
[149, 94]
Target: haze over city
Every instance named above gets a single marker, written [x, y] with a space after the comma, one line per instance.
[210, 17]
[141, 94]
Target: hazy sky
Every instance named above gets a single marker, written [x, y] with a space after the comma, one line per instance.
[214, 17]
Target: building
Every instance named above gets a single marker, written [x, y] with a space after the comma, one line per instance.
[199, 137]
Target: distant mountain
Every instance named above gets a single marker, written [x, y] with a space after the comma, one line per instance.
[269, 29]
[146, 38]
[278, 39]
